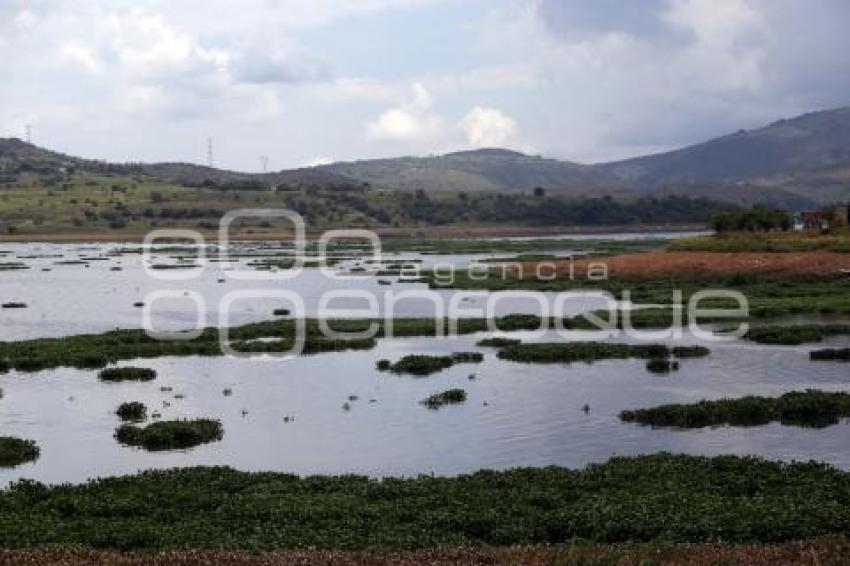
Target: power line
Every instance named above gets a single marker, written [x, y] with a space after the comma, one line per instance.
[210, 161]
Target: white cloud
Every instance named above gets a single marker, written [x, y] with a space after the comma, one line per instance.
[488, 127]
[412, 121]
[80, 55]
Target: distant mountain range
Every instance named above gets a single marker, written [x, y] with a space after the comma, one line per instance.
[796, 163]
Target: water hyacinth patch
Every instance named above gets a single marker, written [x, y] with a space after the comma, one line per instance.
[811, 409]
[830, 354]
[497, 342]
[171, 435]
[690, 351]
[16, 451]
[450, 397]
[127, 374]
[132, 411]
[422, 365]
[568, 352]
[662, 365]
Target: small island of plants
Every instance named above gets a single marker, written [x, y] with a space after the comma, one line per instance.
[421, 365]
[170, 435]
[811, 408]
[16, 451]
[568, 352]
[450, 397]
[127, 374]
[132, 411]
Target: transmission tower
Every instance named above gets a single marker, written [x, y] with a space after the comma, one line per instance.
[264, 161]
[210, 161]
[28, 133]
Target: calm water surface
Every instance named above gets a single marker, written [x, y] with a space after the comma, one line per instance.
[515, 415]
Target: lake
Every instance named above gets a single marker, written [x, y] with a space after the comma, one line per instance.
[515, 415]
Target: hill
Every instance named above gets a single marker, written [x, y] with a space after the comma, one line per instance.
[808, 156]
[795, 163]
[490, 169]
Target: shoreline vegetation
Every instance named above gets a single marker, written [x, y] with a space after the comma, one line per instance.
[809, 552]
[675, 498]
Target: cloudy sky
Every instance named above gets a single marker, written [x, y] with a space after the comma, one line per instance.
[307, 81]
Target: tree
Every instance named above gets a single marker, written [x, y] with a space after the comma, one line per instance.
[539, 192]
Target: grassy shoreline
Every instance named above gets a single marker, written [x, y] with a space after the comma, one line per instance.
[675, 498]
[446, 231]
[810, 552]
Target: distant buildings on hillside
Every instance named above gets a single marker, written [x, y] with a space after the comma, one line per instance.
[830, 217]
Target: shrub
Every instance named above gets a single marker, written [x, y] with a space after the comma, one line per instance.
[170, 435]
[127, 374]
[450, 397]
[132, 411]
[16, 451]
[384, 365]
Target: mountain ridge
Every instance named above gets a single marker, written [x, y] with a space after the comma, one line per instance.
[795, 162]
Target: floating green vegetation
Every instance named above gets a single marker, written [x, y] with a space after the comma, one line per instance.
[14, 305]
[418, 364]
[99, 350]
[662, 365]
[450, 397]
[682, 352]
[811, 408]
[568, 352]
[674, 498]
[767, 296]
[830, 354]
[16, 451]
[467, 357]
[170, 435]
[422, 365]
[497, 342]
[13, 265]
[127, 374]
[795, 335]
[167, 266]
[132, 411]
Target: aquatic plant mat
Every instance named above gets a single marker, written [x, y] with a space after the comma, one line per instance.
[16, 451]
[278, 336]
[676, 498]
[828, 551]
[811, 408]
